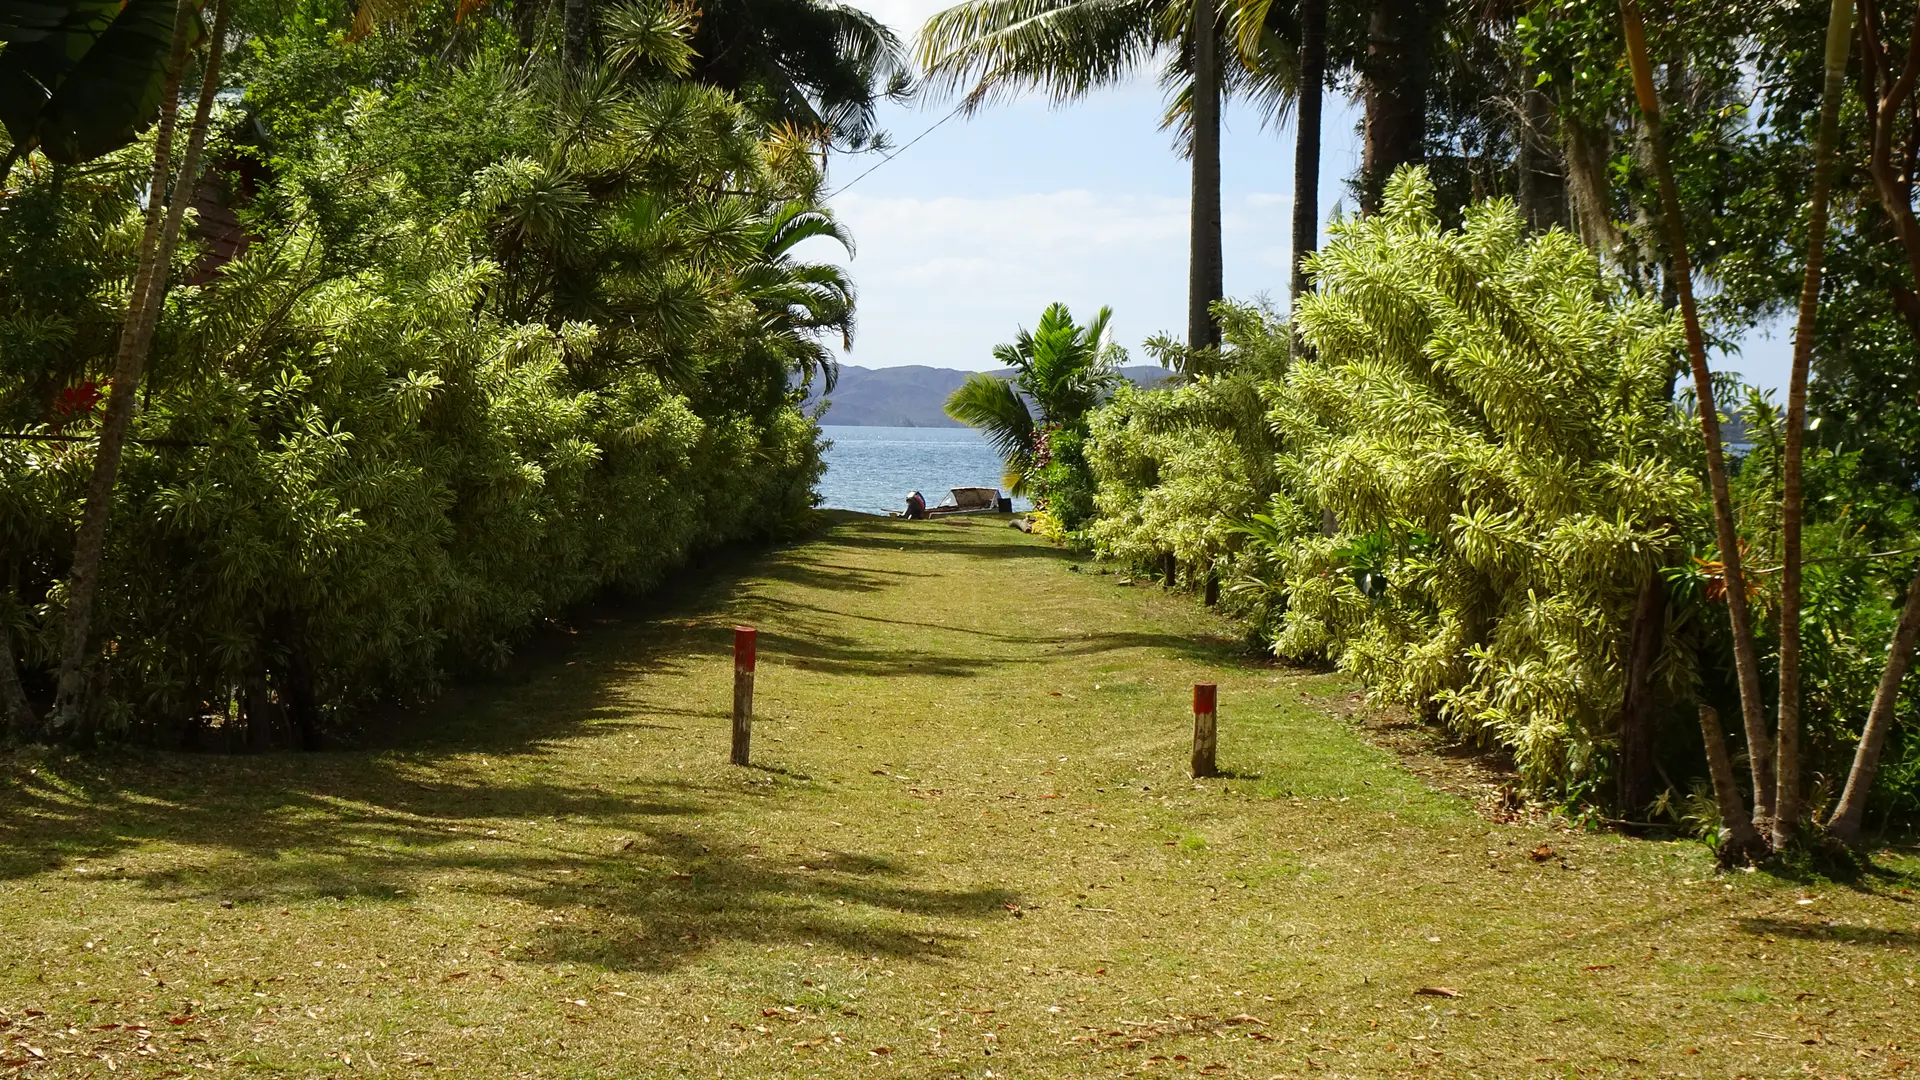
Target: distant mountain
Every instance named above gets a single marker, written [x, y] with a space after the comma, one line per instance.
[913, 395]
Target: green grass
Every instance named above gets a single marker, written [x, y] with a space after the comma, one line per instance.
[967, 845]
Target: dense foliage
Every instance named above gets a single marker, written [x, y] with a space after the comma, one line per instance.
[1467, 490]
[496, 337]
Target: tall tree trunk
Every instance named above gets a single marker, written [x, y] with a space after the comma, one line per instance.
[259, 707]
[1541, 188]
[298, 689]
[16, 713]
[1739, 840]
[1786, 814]
[1306, 145]
[1588, 194]
[1894, 186]
[526, 22]
[1851, 812]
[576, 28]
[1637, 705]
[1394, 78]
[1204, 268]
[156, 250]
[1747, 839]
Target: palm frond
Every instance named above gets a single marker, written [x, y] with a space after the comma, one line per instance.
[993, 406]
[993, 49]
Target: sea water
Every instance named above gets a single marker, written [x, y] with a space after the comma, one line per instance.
[872, 468]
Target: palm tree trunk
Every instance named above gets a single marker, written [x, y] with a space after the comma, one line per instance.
[1205, 264]
[71, 707]
[1637, 705]
[1786, 813]
[1851, 812]
[1306, 147]
[577, 25]
[1895, 189]
[1744, 837]
[1394, 78]
[1739, 840]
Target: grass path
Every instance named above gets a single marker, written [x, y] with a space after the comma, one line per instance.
[968, 848]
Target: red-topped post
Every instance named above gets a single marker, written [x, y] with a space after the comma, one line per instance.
[745, 646]
[1205, 705]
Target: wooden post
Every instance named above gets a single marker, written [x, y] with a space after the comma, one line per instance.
[1205, 736]
[1169, 570]
[745, 646]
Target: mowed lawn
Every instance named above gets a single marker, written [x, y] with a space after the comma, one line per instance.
[968, 847]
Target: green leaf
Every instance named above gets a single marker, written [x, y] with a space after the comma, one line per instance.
[23, 21]
[87, 86]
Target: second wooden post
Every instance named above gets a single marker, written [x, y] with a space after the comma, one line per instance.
[1205, 737]
[745, 645]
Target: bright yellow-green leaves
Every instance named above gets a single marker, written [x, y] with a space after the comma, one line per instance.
[1486, 410]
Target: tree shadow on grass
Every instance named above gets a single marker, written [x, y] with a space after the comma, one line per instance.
[1833, 932]
[452, 795]
[1855, 870]
[378, 829]
[958, 537]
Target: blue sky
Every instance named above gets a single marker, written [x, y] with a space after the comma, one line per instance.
[968, 234]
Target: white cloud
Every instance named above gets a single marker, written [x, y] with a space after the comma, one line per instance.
[942, 280]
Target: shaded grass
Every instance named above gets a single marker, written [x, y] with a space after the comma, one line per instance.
[966, 845]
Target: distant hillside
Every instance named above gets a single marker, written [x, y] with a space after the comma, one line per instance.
[912, 396]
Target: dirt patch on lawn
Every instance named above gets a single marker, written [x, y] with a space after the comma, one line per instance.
[1486, 778]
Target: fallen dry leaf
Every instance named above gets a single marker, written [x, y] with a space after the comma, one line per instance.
[1437, 991]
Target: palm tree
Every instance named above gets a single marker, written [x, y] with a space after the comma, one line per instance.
[1066, 49]
[797, 302]
[1062, 372]
[1887, 88]
[1786, 815]
[1396, 76]
[81, 79]
[1743, 838]
[819, 66]
[1306, 145]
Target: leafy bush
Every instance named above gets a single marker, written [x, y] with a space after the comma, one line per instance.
[1178, 470]
[1477, 470]
[496, 343]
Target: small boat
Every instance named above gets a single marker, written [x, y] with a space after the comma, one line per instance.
[969, 500]
[962, 500]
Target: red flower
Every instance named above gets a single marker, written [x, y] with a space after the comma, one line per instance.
[76, 401]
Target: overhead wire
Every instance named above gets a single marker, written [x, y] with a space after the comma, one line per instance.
[908, 146]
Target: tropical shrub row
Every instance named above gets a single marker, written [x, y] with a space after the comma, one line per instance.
[1474, 492]
[496, 337]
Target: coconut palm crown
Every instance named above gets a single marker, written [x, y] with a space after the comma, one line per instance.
[1061, 372]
